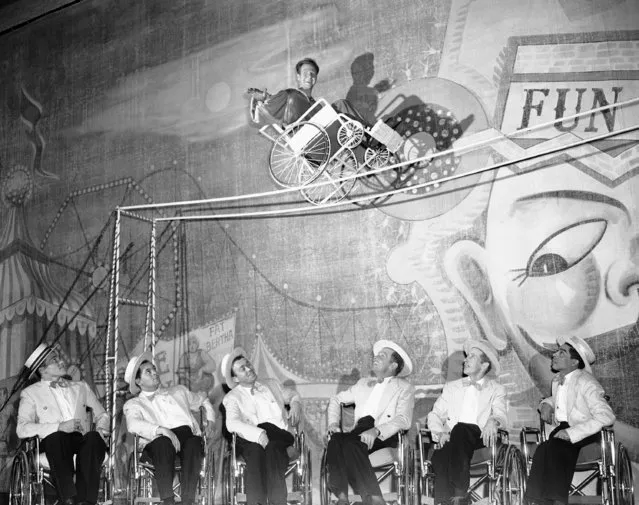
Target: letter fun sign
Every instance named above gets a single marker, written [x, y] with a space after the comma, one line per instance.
[548, 79]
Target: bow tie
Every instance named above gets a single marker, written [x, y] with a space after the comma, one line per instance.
[559, 379]
[60, 383]
[467, 381]
[157, 392]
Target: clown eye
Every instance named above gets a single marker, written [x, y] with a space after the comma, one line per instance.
[564, 249]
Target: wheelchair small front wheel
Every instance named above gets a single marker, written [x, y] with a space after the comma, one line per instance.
[350, 134]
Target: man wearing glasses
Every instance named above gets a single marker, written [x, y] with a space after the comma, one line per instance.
[55, 410]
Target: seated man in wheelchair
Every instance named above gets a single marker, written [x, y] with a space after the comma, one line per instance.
[256, 413]
[580, 410]
[383, 407]
[55, 410]
[163, 419]
[288, 105]
[464, 418]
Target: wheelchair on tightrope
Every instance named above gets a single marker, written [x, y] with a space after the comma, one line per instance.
[497, 473]
[298, 471]
[324, 145]
[141, 484]
[391, 465]
[602, 466]
[31, 481]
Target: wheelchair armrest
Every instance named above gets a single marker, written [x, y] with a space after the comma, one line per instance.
[528, 432]
[203, 421]
[502, 436]
[31, 444]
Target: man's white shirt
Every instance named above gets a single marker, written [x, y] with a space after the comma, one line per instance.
[561, 402]
[267, 409]
[167, 409]
[470, 406]
[373, 407]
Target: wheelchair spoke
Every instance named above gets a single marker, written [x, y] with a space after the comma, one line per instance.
[513, 478]
[299, 154]
[625, 485]
[341, 165]
[21, 486]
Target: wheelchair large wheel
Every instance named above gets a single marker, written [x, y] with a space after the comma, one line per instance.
[299, 154]
[133, 484]
[625, 492]
[106, 489]
[325, 494]
[406, 480]
[308, 484]
[513, 478]
[340, 165]
[21, 485]
[228, 482]
[207, 478]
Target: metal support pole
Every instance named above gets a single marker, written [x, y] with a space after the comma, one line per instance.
[111, 376]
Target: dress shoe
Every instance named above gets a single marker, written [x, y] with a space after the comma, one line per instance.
[68, 501]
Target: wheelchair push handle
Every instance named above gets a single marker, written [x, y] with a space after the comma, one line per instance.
[258, 94]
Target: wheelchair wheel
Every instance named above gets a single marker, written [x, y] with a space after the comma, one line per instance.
[406, 492]
[228, 482]
[308, 484]
[207, 478]
[325, 494]
[374, 159]
[299, 154]
[350, 134]
[21, 485]
[133, 484]
[513, 478]
[625, 485]
[377, 158]
[342, 164]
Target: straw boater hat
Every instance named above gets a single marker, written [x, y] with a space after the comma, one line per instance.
[227, 363]
[408, 364]
[36, 359]
[582, 348]
[488, 350]
[132, 370]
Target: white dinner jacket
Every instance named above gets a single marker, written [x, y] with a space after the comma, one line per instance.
[39, 413]
[491, 403]
[396, 404]
[142, 419]
[240, 411]
[587, 409]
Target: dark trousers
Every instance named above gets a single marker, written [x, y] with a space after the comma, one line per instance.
[266, 467]
[348, 109]
[161, 453]
[89, 450]
[348, 463]
[553, 467]
[451, 463]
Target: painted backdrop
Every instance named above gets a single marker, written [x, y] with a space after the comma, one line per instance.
[108, 103]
